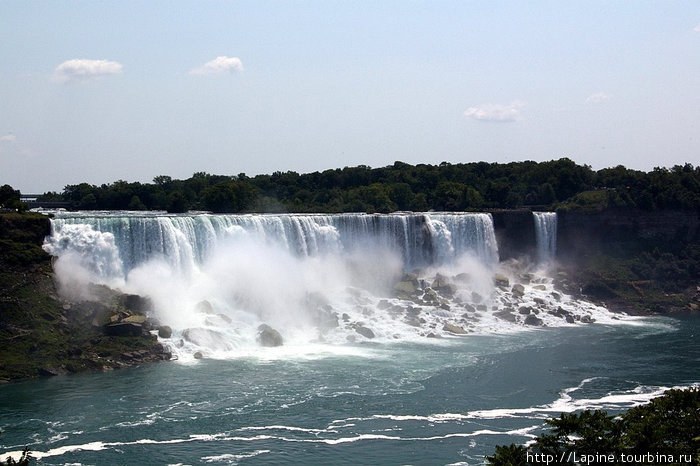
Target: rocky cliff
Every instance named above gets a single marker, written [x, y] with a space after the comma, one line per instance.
[42, 334]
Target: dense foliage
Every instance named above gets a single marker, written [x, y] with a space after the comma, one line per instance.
[9, 198]
[665, 431]
[450, 187]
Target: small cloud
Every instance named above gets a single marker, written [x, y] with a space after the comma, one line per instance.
[8, 138]
[697, 28]
[597, 98]
[219, 65]
[496, 112]
[80, 69]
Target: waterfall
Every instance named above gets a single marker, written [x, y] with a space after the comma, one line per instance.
[186, 241]
[343, 278]
[545, 235]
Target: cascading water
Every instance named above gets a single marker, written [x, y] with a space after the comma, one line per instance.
[545, 235]
[315, 278]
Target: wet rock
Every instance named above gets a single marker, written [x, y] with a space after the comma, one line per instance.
[430, 296]
[540, 287]
[501, 280]
[204, 307]
[124, 329]
[587, 319]
[570, 319]
[136, 319]
[268, 336]
[408, 285]
[524, 310]
[469, 308]
[556, 296]
[540, 301]
[164, 331]
[481, 307]
[532, 320]
[452, 328]
[345, 317]
[443, 286]
[136, 303]
[364, 331]
[518, 290]
[198, 355]
[383, 304]
[413, 320]
[506, 314]
[327, 320]
[52, 371]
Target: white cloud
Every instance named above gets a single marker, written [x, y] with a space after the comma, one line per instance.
[81, 69]
[496, 112]
[697, 28]
[8, 138]
[597, 98]
[219, 65]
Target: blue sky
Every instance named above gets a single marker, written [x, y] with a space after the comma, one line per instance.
[96, 91]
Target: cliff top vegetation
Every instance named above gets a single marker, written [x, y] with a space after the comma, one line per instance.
[557, 184]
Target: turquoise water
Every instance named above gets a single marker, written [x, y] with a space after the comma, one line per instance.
[406, 403]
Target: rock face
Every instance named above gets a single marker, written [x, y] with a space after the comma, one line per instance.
[269, 337]
[580, 232]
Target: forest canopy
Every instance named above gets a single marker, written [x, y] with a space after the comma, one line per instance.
[474, 186]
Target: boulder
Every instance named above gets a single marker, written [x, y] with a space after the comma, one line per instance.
[532, 320]
[136, 319]
[136, 303]
[164, 331]
[268, 336]
[405, 287]
[52, 371]
[124, 329]
[476, 297]
[501, 280]
[204, 307]
[452, 328]
[198, 355]
[524, 310]
[518, 290]
[506, 315]
[364, 331]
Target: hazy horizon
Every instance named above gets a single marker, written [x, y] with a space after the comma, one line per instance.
[96, 92]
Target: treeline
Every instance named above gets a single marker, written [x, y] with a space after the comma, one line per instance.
[401, 186]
